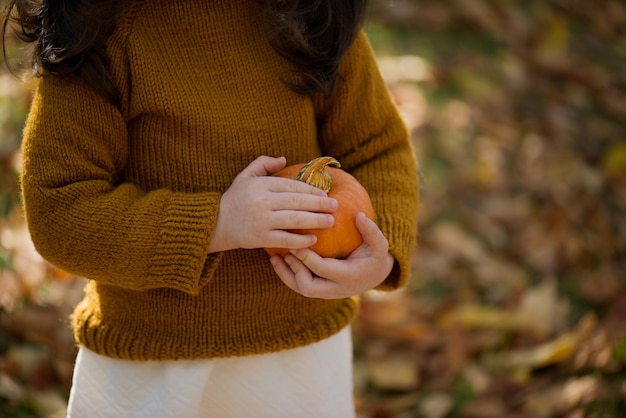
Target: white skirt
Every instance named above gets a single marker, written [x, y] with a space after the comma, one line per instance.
[311, 381]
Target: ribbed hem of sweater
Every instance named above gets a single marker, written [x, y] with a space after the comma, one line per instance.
[161, 343]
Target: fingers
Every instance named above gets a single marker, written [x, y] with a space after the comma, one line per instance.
[300, 272]
[262, 211]
[294, 220]
[263, 165]
[290, 240]
[374, 246]
[301, 210]
[285, 185]
[324, 267]
[300, 279]
[372, 235]
[285, 272]
[303, 201]
[305, 272]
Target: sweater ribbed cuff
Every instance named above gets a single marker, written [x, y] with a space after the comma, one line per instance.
[402, 238]
[180, 259]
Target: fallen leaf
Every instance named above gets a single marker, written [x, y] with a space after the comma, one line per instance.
[393, 373]
[555, 351]
[483, 408]
[474, 316]
[436, 405]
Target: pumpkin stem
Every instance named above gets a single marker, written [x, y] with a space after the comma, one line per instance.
[314, 173]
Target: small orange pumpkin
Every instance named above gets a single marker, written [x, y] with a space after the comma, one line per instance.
[343, 237]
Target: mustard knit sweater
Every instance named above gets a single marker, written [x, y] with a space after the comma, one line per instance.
[127, 195]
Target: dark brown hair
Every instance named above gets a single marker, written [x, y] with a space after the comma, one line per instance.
[68, 37]
[314, 36]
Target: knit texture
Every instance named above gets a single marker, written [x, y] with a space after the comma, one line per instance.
[127, 195]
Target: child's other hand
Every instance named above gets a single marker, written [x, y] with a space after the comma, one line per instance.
[257, 209]
[313, 276]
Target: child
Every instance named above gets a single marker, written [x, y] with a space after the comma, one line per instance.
[146, 162]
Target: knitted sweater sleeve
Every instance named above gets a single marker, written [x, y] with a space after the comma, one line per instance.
[361, 127]
[87, 221]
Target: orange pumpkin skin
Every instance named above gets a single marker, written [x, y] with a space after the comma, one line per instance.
[343, 237]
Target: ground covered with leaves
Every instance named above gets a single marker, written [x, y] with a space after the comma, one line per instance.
[517, 304]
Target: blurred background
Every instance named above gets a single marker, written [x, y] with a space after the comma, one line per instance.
[517, 303]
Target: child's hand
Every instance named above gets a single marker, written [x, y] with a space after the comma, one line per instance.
[313, 276]
[257, 209]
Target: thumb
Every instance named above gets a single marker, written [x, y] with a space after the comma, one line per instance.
[263, 166]
[372, 235]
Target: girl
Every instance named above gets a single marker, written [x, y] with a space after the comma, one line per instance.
[146, 162]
